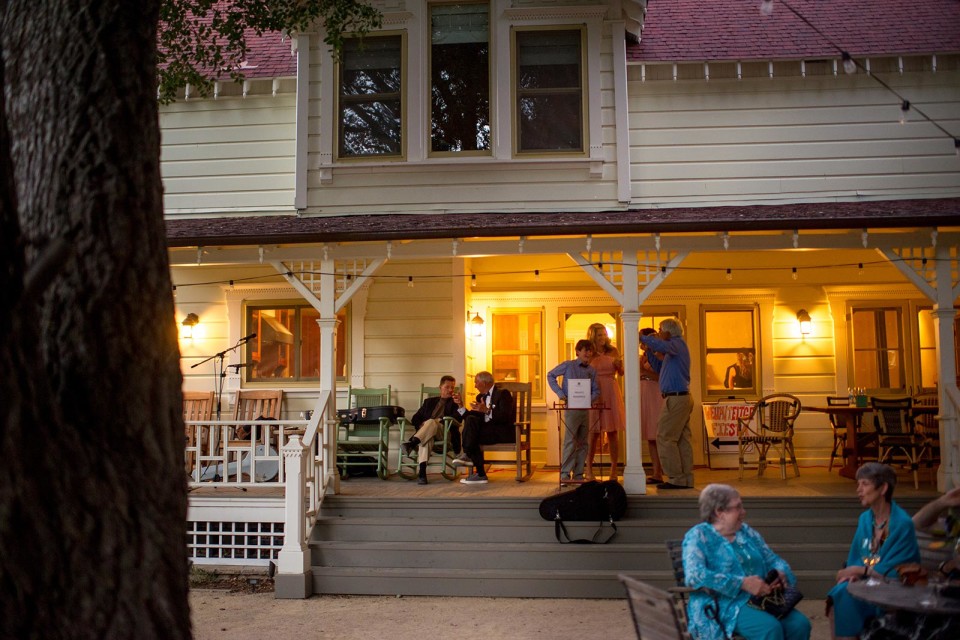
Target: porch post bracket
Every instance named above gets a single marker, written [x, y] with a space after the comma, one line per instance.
[598, 277]
[294, 579]
[914, 275]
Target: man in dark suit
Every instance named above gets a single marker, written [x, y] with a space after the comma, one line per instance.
[429, 422]
[490, 420]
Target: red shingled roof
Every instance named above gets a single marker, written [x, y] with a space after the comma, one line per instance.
[705, 30]
[270, 56]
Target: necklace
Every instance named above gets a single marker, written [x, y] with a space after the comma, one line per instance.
[881, 525]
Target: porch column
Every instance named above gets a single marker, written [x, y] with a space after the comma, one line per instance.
[328, 381]
[948, 475]
[634, 477]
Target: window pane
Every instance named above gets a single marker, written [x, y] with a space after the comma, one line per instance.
[270, 352]
[730, 350]
[460, 76]
[371, 97]
[929, 372]
[549, 91]
[877, 354]
[516, 339]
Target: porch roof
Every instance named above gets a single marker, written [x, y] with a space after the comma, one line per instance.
[697, 31]
[234, 231]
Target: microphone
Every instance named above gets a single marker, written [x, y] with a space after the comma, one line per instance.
[249, 337]
[237, 367]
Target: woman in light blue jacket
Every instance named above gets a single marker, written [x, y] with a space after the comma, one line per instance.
[728, 558]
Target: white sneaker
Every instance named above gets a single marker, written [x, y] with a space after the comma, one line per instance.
[462, 461]
[474, 479]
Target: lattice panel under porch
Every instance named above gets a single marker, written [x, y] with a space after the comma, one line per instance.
[234, 543]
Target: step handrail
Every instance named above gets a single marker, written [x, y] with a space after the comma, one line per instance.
[308, 468]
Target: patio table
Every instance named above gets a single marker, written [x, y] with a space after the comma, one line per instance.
[848, 414]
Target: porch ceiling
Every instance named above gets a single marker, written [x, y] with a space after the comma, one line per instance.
[288, 230]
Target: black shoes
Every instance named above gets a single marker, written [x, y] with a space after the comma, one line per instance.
[670, 485]
[408, 447]
[421, 479]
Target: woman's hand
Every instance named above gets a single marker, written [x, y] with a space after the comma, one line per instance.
[755, 586]
[850, 574]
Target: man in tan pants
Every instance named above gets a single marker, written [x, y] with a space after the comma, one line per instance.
[669, 356]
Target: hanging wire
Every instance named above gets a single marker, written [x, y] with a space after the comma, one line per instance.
[767, 8]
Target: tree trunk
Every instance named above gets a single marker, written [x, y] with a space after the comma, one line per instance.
[92, 491]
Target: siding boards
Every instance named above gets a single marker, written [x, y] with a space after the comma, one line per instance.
[228, 154]
[789, 137]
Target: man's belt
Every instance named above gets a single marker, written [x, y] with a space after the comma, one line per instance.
[675, 393]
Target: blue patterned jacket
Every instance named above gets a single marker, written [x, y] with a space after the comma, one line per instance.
[711, 561]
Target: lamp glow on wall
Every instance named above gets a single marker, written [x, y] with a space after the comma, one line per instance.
[804, 319]
[188, 325]
[476, 325]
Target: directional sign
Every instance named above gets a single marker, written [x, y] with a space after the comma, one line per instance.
[720, 420]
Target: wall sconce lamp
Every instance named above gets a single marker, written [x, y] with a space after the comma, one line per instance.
[804, 319]
[191, 321]
[476, 325]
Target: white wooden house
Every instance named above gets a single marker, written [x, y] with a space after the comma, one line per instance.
[541, 165]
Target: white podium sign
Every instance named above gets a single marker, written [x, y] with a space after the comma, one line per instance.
[578, 394]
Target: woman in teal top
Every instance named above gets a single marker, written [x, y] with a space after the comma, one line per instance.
[887, 532]
[727, 557]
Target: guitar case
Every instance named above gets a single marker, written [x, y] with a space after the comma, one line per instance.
[601, 502]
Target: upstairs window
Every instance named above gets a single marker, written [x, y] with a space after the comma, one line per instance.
[549, 80]
[460, 78]
[370, 100]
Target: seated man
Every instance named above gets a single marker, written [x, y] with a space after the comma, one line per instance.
[429, 422]
[490, 420]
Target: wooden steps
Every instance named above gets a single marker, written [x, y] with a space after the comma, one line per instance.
[501, 547]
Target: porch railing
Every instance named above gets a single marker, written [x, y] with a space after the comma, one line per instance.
[238, 452]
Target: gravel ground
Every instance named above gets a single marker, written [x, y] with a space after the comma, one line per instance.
[241, 615]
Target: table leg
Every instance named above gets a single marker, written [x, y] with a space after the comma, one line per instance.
[849, 468]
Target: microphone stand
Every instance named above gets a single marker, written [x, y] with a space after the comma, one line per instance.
[219, 371]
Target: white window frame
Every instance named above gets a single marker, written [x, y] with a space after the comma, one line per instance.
[416, 114]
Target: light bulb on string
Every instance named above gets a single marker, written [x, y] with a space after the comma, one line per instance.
[766, 7]
[793, 273]
[956, 146]
[859, 268]
[729, 274]
[536, 275]
[849, 65]
[410, 281]
[904, 108]
[473, 280]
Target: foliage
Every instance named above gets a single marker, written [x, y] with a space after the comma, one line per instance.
[200, 41]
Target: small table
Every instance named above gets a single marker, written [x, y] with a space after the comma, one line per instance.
[848, 415]
[899, 597]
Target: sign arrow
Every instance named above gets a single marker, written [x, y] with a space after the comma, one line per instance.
[718, 442]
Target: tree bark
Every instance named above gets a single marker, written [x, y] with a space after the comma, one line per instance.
[92, 490]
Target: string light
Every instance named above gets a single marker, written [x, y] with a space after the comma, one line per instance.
[537, 273]
[849, 64]
[904, 108]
